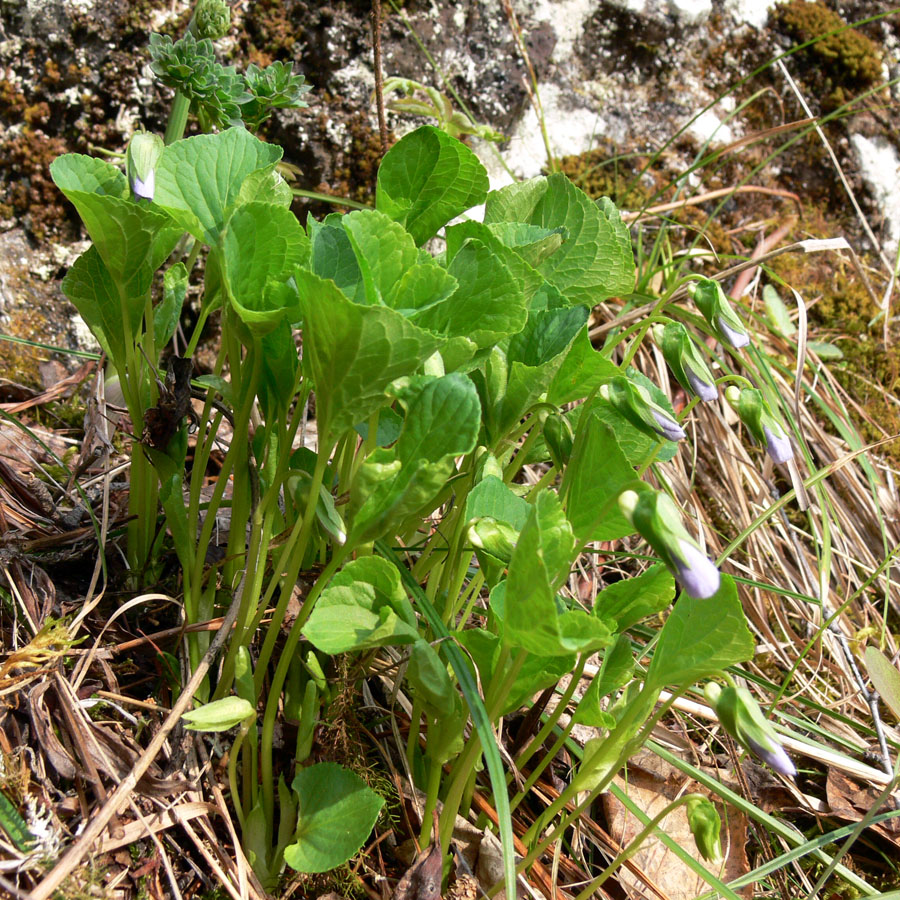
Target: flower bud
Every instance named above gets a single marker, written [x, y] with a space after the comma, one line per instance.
[494, 538]
[760, 421]
[705, 825]
[220, 715]
[658, 521]
[634, 402]
[686, 363]
[739, 714]
[212, 19]
[144, 151]
[560, 439]
[712, 302]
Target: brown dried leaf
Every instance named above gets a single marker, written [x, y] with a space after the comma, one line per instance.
[850, 800]
[422, 881]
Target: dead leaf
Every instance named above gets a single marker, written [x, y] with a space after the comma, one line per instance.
[422, 881]
[652, 789]
[850, 800]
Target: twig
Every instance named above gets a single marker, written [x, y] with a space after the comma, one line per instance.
[379, 75]
[82, 846]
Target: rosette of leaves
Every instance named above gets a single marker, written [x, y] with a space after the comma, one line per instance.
[275, 87]
[216, 92]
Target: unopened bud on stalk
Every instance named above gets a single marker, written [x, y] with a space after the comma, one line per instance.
[712, 302]
[657, 519]
[739, 714]
[635, 403]
[705, 825]
[494, 538]
[760, 421]
[560, 439]
[144, 151]
[212, 19]
[686, 363]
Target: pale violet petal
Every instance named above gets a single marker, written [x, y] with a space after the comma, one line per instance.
[737, 339]
[703, 389]
[778, 446]
[668, 427]
[698, 574]
[773, 756]
[144, 189]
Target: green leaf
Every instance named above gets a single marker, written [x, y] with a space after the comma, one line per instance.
[384, 578]
[618, 664]
[492, 497]
[533, 243]
[486, 306]
[596, 260]
[132, 238]
[333, 256]
[279, 370]
[220, 715]
[632, 599]
[384, 251]
[354, 352]
[347, 622]
[265, 186]
[14, 825]
[534, 356]
[442, 422]
[261, 245]
[166, 315]
[336, 813]
[528, 280]
[428, 178]
[885, 678]
[826, 350]
[422, 286]
[535, 674]
[701, 637]
[431, 684]
[363, 607]
[93, 293]
[540, 562]
[583, 370]
[86, 174]
[199, 179]
[777, 311]
[591, 489]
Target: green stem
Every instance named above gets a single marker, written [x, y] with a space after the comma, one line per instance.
[538, 740]
[291, 558]
[178, 116]
[634, 846]
[278, 679]
[493, 701]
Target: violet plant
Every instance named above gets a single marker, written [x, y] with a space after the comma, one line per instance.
[436, 376]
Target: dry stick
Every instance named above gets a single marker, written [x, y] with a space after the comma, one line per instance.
[82, 846]
[379, 75]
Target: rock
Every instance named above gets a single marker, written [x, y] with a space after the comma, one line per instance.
[879, 164]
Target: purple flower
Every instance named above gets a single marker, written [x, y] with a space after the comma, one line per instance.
[668, 427]
[778, 446]
[703, 389]
[698, 574]
[144, 189]
[737, 339]
[773, 755]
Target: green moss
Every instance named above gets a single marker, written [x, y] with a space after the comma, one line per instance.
[355, 178]
[838, 65]
[29, 191]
